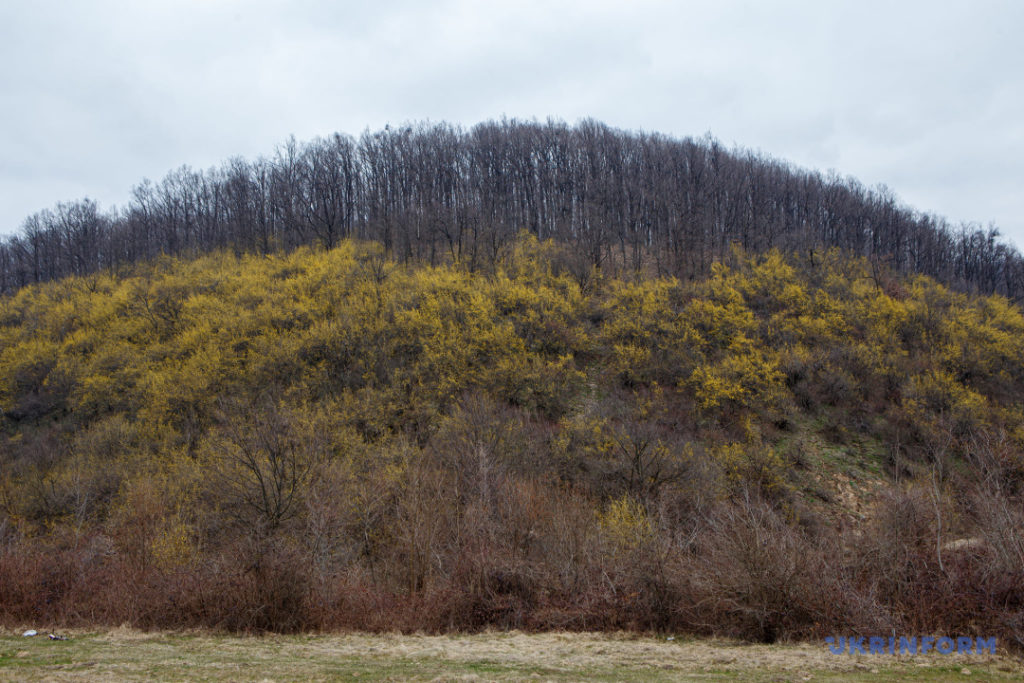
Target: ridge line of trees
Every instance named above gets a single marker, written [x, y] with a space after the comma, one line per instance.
[435, 192]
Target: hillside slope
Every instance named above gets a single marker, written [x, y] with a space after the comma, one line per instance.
[791, 447]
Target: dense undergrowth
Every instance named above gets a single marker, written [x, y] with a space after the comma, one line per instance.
[796, 446]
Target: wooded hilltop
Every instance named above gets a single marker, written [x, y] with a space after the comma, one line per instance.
[437, 192]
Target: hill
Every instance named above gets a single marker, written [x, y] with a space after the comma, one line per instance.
[792, 446]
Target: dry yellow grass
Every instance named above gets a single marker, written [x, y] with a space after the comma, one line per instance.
[125, 654]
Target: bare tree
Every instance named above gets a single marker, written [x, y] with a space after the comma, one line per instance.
[264, 459]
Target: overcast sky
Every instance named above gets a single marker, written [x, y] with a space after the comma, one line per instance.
[924, 97]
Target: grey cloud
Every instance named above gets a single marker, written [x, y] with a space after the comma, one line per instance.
[922, 97]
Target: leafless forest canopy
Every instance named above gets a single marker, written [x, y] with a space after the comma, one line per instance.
[437, 192]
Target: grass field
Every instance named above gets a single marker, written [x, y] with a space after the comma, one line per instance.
[124, 654]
